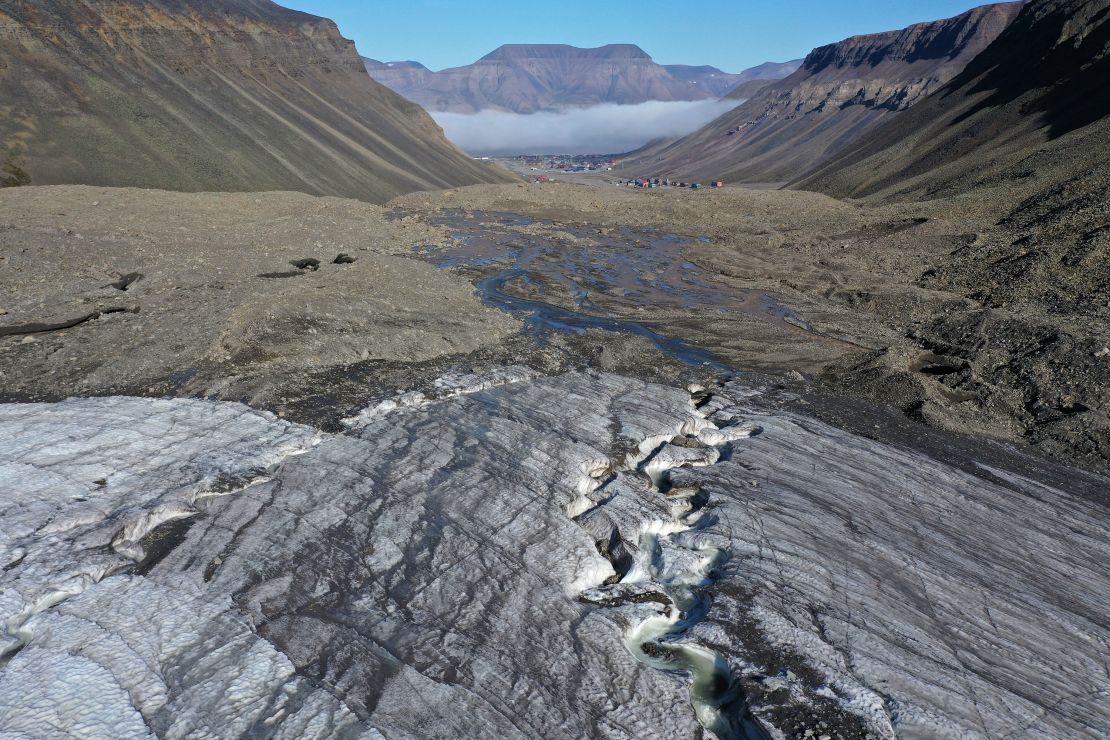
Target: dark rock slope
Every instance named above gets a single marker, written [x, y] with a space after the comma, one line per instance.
[841, 92]
[1044, 78]
[227, 95]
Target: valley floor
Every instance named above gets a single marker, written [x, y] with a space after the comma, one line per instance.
[540, 460]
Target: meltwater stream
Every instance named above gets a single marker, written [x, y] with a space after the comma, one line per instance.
[541, 317]
[655, 642]
[626, 269]
[671, 563]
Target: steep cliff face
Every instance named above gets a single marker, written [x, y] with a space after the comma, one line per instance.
[230, 95]
[893, 70]
[840, 92]
[1044, 77]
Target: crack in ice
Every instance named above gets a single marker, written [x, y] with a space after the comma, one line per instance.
[656, 641]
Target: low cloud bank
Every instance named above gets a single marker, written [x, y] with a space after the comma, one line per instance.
[601, 129]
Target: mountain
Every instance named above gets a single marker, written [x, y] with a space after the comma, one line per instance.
[1022, 137]
[745, 90]
[770, 71]
[528, 78]
[398, 76]
[841, 92]
[525, 78]
[719, 84]
[708, 79]
[1026, 124]
[1043, 79]
[218, 95]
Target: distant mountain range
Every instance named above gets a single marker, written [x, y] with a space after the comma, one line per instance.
[840, 92]
[218, 95]
[720, 84]
[525, 78]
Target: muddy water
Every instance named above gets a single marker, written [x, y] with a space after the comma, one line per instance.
[541, 317]
[571, 279]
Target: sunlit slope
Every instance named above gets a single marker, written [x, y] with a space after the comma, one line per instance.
[228, 95]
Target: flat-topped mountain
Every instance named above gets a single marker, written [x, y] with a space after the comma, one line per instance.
[841, 91]
[225, 95]
[529, 78]
[525, 78]
[528, 53]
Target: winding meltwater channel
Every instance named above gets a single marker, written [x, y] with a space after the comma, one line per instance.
[671, 565]
[542, 316]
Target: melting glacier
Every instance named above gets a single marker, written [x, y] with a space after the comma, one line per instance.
[583, 555]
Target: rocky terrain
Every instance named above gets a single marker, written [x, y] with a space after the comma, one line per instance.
[466, 502]
[237, 295]
[231, 95]
[526, 78]
[841, 92]
[1012, 151]
[848, 303]
[1023, 135]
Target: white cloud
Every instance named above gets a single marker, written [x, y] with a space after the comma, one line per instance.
[601, 129]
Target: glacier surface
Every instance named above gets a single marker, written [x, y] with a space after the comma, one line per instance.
[586, 555]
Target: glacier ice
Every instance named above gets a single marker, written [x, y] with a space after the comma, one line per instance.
[493, 562]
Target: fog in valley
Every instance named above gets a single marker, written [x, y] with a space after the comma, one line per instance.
[598, 129]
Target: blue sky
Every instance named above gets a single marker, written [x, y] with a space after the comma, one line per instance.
[730, 34]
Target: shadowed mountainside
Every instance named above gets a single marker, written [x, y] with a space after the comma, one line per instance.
[228, 95]
[526, 78]
[841, 92]
[1023, 135]
[1030, 120]
[1045, 77]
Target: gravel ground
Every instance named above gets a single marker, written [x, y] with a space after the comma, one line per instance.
[898, 307]
[153, 293]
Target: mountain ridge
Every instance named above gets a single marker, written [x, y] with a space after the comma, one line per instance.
[1028, 121]
[528, 78]
[227, 95]
[557, 51]
[840, 92]
[723, 84]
